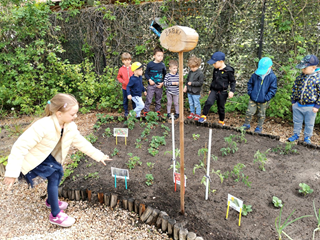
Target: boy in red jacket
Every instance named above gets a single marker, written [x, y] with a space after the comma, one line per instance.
[123, 77]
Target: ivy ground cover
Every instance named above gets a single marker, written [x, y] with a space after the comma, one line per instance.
[284, 171]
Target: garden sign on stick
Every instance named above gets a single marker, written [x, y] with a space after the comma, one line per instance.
[120, 173]
[236, 204]
[180, 39]
[120, 132]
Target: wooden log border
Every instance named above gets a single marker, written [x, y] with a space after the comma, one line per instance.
[148, 214]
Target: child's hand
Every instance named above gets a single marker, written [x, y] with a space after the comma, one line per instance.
[189, 83]
[315, 110]
[175, 83]
[230, 94]
[129, 97]
[160, 85]
[105, 158]
[151, 82]
[145, 93]
[185, 89]
[9, 181]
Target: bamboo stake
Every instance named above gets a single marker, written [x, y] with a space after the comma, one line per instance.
[181, 132]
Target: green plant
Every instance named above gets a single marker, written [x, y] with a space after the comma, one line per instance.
[246, 209]
[153, 151]
[150, 165]
[120, 119]
[242, 135]
[115, 152]
[91, 175]
[305, 189]
[91, 138]
[285, 150]
[150, 179]
[203, 151]
[204, 182]
[280, 227]
[195, 136]
[156, 141]
[176, 153]
[133, 161]
[152, 117]
[317, 215]
[16, 130]
[75, 159]
[107, 132]
[131, 119]
[4, 160]
[232, 146]
[276, 202]
[262, 158]
[138, 143]
[238, 174]
[165, 127]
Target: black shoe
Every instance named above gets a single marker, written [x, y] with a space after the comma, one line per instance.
[176, 116]
[169, 115]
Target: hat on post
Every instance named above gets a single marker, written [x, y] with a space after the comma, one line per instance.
[264, 64]
[217, 56]
[307, 61]
[136, 66]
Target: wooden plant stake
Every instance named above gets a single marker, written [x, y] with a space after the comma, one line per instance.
[180, 39]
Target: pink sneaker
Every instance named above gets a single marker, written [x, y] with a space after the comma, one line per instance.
[62, 219]
[62, 205]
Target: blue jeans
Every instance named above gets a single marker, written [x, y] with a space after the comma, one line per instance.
[303, 114]
[52, 189]
[139, 104]
[125, 102]
[194, 103]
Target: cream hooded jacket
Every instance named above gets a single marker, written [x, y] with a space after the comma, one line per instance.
[43, 138]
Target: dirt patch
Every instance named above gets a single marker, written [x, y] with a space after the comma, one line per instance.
[207, 218]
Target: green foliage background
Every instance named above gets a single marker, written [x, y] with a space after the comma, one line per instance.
[77, 51]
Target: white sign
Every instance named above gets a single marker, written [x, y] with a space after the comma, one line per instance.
[120, 173]
[120, 132]
[177, 179]
[235, 203]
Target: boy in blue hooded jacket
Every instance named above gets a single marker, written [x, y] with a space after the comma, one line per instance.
[262, 86]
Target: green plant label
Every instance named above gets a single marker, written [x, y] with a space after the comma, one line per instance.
[235, 203]
[177, 179]
[120, 132]
[120, 173]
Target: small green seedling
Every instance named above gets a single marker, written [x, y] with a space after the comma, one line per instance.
[262, 158]
[165, 127]
[133, 161]
[277, 202]
[305, 189]
[280, 227]
[91, 138]
[246, 209]
[92, 175]
[150, 165]
[176, 152]
[195, 136]
[150, 179]
[138, 143]
[153, 151]
[204, 182]
[115, 152]
[203, 151]
[286, 150]
[318, 219]
[107, 132]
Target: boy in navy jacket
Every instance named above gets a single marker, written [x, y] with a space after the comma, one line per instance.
[262, 86]
[135, 87]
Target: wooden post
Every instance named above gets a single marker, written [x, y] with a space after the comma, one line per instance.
[181, 124]
[180, 39]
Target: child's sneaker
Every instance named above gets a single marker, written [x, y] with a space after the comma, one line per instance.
[176, 116]
[145, 114]
[246, 126]
[221, 123]
[202, 119]
[191, 116]
[307, 140]
[196, 117]
[62, 219]
[159, 113]
[258, 129]
[293, 138]
[62, 205]
[169, 115]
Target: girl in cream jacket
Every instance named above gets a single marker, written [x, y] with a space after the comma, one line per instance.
[42, 149]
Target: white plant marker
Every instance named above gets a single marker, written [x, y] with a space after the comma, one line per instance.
[208, 164]
[173, 147]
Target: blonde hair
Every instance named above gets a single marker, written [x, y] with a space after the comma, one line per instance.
[194, 61]
[125, 56]
[173, 63]
[62, 102]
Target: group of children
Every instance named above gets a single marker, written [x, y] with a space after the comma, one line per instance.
[262, 87]
[42, 149]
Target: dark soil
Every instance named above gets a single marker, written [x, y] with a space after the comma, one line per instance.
[207, 218]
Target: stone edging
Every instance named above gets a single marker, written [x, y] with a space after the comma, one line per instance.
[147, 214]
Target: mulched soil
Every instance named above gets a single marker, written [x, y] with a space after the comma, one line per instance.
[207, 218]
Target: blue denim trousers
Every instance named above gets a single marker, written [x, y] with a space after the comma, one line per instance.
[303, 114]
[194, 103]
[139, 105]
[125, 102]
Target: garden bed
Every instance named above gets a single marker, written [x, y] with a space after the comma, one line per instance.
[283, 174]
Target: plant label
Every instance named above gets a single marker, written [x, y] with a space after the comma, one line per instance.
[120, 173]
[235, 203]
[177, 179]
[120, 132]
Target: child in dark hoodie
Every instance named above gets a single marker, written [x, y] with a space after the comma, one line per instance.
[262, 86]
